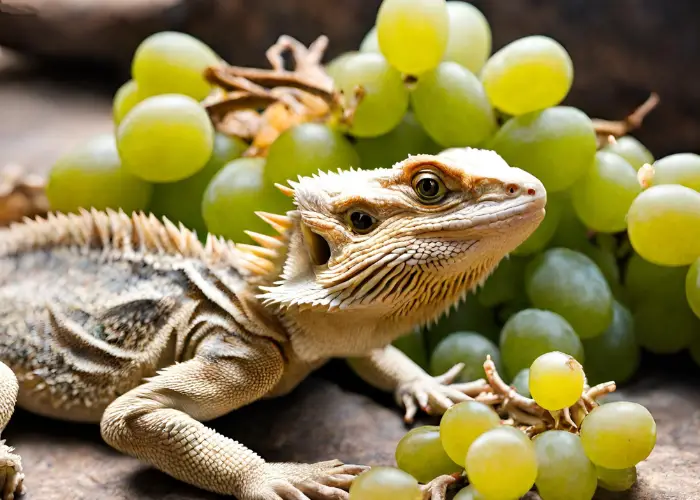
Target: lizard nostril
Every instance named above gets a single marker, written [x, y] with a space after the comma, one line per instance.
[531, 192]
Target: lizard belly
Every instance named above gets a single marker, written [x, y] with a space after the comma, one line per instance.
[295, 372]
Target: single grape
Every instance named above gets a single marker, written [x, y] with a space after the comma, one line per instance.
[126, 97]
[631, 150]
[169, 62]
[407, 138]
[606, 260]
[420, 453]
[502, 465]
[469, 41]
[544, 233]
[380, 483]
[450, 103]
[469, 316]
[506, 283]
[413, 345]
[165, 138]
[679, 168]
[529, 74]
[464, 347]
[462, 424]
[618, 435]
[334, 66]
[521, 382]
[413, 34]
[370, 43]
[616, 479]
[232, 197]
[695, 349]
[182, 201]
[605, 193]
[570, 284]
[385, 97]
[644, 280]
[556, 381]
[667, 213]
[557, 145]
[468, 493]
[91, 176]
[665, 325]
[570, 232]
[615, 354]
[692, 287]
[564, 472]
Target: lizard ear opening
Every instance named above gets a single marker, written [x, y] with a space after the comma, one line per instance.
[317, 246]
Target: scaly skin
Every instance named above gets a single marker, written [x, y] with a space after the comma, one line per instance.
[132, 323]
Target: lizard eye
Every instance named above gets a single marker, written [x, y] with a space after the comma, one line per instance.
[429, 187]
[361, 222]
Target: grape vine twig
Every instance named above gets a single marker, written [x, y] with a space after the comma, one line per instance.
[607, 131]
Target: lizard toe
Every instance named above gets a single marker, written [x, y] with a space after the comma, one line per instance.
[11, 476]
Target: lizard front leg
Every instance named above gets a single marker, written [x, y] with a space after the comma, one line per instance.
[159, 423]
[11, 476]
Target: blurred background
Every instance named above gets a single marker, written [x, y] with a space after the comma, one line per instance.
[61, 60]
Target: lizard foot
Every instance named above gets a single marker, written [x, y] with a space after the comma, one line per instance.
[434, 395]
[437, 488]
[11, 476]
[320, 481]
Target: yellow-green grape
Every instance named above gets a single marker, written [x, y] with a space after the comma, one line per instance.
[420, 453]
[695, 349]
[570, 284]
[380, 483]
[664, 225]
[502, 465]
[469, 41]
[679, 168]
[665, 325]
[91, 176]
[370, 43]
[165, 138]
[532, 332]
[450, 103]
[462, 424]
[605, 193]
[169, 62]
[469, 493]
[644, 280]
[613, 355]
[570, 232]
[557, 145]
[556, 381]
[385, 97]
[470, 316]
[506, 283]
[126, 97]
[232, 198]
[564, 472]
[529, 74]
[544, 233]
[616, 479]
[631, 150]
[692, 287]
[606, 260]
[334, 66]
[464, 347]
[413, 34]
[413, 345]
[521, 382]
[618, 435]
[181, 201]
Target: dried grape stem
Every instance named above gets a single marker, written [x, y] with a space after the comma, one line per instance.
[517, 400]
[606, 129]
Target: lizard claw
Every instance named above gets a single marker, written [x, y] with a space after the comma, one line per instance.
[11, 476]
[321, 481]
[437, 488]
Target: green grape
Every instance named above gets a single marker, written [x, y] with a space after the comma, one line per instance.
[644, 280]
[91, 176]
[606, 261]
[181, 201]
[546, 230]
[462, 424]
[670, 214]
[450, 103]
[469, 41]
[370, 43]
[557, 145]
[564, 472]
[468, 493]
[420, 453]
[614, 355]
[173, 63]
[665, 325]
[385, 97]
[464, 347]
[556, 381]
[529, 74]
[570, 284]
[570, 232]
[334, 66]
[692, 287]
[380, 483]
[468, 316]
[413, 34]
[532, 332]
[505, 311]
[126, 97]
[413, 346]
[605, 193]
[502, 465]
[618, 435]
[521, 382]
[232, 198]
[616, 479]
[631, 150]
[505, 284]
[165, 138]
[695, 349]
[407, 138]
[679, 168]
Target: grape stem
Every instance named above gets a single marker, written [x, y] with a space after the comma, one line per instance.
[437, 488]
[607, 131]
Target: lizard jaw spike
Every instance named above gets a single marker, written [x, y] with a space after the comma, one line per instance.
[262, 252]
[287, 191]
[280, 223]
[265, 241]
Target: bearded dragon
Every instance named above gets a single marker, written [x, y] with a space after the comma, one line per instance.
[130, 322]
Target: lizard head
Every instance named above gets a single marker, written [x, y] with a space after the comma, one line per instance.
[402, 244]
